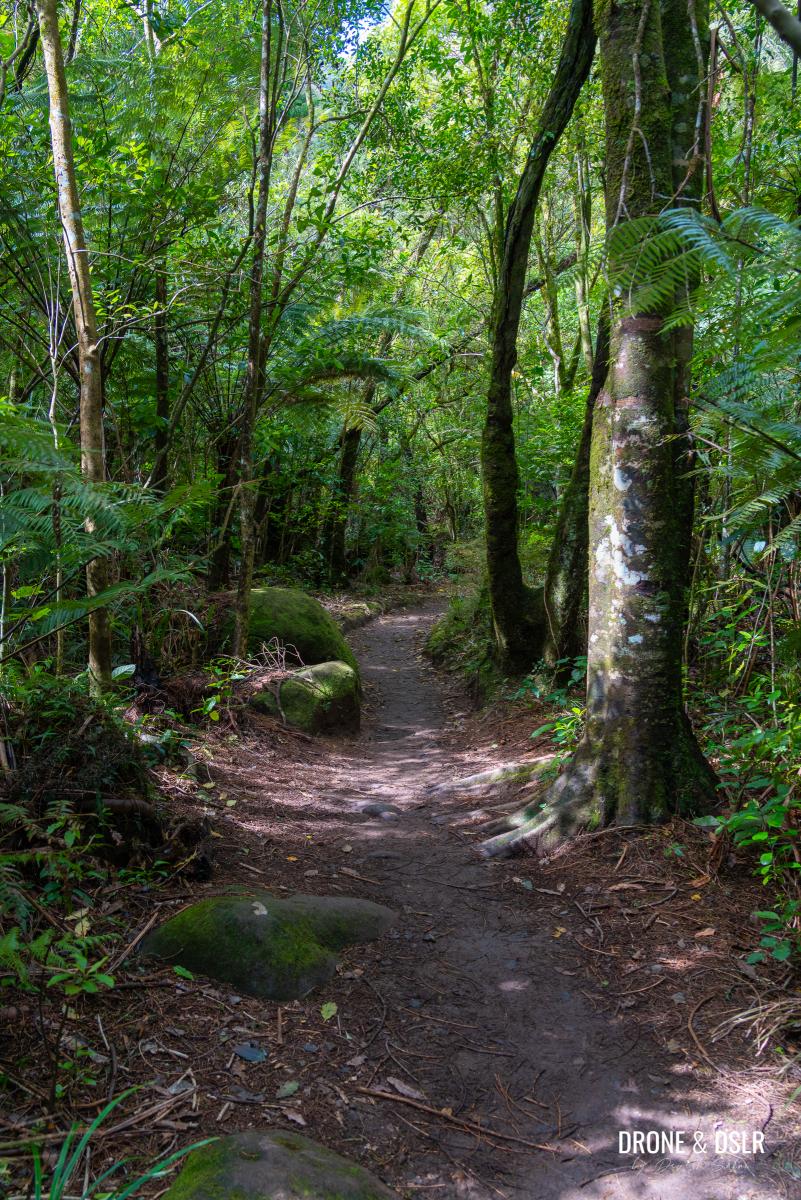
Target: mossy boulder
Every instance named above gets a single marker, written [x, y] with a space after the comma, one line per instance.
[273, 1165]
[296, 620]
[277, 949]
[321, 699]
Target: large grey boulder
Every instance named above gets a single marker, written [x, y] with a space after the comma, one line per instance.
[320, 699]
[273, 1165]
[277, 949]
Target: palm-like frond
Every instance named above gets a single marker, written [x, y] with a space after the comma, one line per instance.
[742, 274]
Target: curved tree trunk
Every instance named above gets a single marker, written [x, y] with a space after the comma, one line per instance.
[93, 461]
[638, 761]
[516, 625]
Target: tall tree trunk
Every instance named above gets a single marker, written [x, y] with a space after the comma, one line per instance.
[159, 477]
[247, 497]
[333, 539]
[638, 761]
[515, 625]
[686, 31]
[93, 466]
[218, 575]
[552, 333]
[334, 536]
[582, 200]
[564, 636]
[685, 26]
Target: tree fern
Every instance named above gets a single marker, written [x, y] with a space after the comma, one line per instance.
[750, 264]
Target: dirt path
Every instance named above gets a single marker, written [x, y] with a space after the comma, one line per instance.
[498, 1021]
[477, 1051]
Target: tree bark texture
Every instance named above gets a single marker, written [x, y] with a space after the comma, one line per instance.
[93, 465]
[565, 588]
[514, 621]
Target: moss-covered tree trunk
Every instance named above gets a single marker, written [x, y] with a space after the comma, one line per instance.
[638, 761]
[516, 622]
[685, 29]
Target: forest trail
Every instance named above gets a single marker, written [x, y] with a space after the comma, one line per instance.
[496, 1019]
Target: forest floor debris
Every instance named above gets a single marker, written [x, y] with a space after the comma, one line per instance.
[516, 1005]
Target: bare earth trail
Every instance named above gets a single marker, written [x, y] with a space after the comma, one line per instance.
[500, 1024]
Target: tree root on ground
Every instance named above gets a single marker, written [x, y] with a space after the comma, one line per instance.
[610, 780]
[567, 808]
[540, 827]
[496, 782]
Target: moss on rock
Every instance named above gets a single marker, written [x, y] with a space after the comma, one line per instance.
[277, 949]
[320, 699]
[273, 1165]
[296, 620]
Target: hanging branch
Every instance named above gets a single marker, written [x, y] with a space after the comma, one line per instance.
[786, 25]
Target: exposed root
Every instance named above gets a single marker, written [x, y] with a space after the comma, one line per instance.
[609, 781]
[497, 782]
[541, 830]
[565, 809]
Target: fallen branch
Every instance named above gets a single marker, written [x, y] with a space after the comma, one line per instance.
[116, 963]
[469, 1126]
[701, 1050]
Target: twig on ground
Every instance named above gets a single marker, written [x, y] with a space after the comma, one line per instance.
[701, 1050]
[383, 1018]
[117, 962]
[594, 950]
[468, 1126]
